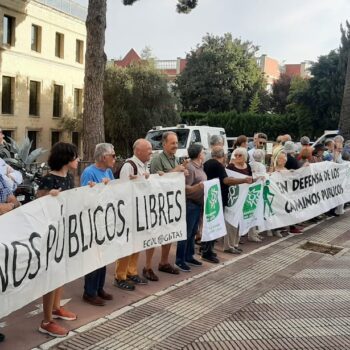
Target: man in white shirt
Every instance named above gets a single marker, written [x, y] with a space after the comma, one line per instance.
[126, 275]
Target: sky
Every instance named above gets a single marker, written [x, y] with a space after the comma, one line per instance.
[289, 31]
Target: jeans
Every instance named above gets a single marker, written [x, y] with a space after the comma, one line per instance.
[94, 281]
[185, 248]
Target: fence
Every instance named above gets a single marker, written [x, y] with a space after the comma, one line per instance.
[67, 6]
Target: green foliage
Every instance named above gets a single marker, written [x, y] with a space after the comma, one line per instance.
[136, 98]
[255, 104]
[298, 107]
[280, 91]
[183, 6]
[245, 123]
[221, 75]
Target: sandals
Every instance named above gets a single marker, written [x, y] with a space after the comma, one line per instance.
[168, 269]
[137, 279]
[125, 285]
[150, 275]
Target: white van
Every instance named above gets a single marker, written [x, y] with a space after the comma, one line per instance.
[328, 134]
[186, 136]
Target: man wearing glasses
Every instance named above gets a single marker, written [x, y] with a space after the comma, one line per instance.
[260, 140]
[100, 171]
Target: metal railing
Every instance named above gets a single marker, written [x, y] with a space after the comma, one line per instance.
[67, 6]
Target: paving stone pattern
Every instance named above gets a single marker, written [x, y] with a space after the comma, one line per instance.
[282, 297]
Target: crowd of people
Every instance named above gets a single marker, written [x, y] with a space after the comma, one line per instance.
[250, 161]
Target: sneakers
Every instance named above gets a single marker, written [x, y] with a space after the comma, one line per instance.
[53, 329]
[295, 231]
[124, 284]
[277, 233]
[150, 275]
[194, 262]
[64, 314]
[95, 300]
[183, 267]
[137, 279]
[233, 251]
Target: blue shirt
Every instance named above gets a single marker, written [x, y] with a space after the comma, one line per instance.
[92, 173]
[4, 190]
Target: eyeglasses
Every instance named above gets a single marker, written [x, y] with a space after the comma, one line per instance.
[111, 154]
[238, 155]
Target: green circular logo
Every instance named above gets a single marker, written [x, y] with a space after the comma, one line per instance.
[212, 205]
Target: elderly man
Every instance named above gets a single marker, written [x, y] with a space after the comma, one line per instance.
[215, 140]
[164, 162]
[126, 275]
[98, 172]
[7, 202]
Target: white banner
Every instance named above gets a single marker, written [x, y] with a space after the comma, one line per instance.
[245, 204]
[213, 216]
[55, 240]
[288, 197]
[296, 196]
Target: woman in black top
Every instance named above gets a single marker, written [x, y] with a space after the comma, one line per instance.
[63, 157]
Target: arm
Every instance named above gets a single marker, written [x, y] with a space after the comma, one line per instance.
[230, 181]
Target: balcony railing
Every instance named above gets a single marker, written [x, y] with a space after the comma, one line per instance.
[67, 6]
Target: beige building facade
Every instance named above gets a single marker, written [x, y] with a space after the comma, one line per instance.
[42, 53]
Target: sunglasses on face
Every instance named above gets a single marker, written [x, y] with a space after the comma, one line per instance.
[111, 155]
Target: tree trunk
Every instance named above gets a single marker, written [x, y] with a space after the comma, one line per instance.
[95, 62]
[344, 121]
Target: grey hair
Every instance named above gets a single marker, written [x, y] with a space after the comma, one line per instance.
[166, 134]
[218, 153]
[216, 140]
[101, 149]
[339, 138]
[242, 151]
[258, 155]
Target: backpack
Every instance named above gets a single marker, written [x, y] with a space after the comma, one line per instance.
[120, 166]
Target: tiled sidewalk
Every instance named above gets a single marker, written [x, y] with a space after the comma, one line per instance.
[281, 297]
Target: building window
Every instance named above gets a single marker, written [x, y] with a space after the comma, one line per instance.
[8, 84]
[7, 134]
[79, 51]
[8, 30]
[55, 137]
[33, 137]
[75, 139]
[36, 38]
[57, 100]
[34, 98]
[78, 102]
[59, 45]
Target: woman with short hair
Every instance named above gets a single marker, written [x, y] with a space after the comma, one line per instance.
[63, 158]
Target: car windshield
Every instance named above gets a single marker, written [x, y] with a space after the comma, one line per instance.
[155, 137]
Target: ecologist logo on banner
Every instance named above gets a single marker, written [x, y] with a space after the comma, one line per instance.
[213, 216]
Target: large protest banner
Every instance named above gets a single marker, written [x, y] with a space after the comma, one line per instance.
[296, 196]
[288, 197]
[54, 240]
[213, 215]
